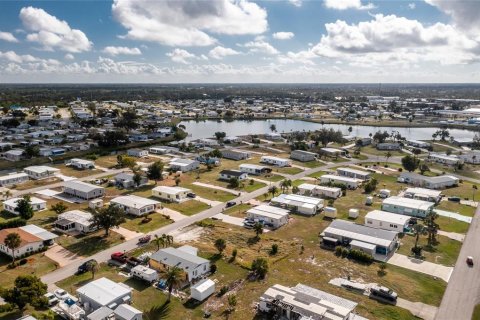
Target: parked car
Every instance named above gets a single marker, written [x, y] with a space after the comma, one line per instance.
[84, 266]
[145, 239]
[132, 261]
[119, 256]
[454, 199]
[61, 294]
[470, 261]
[230, 204]
[191, 195]
[52, 300]
[249, 224]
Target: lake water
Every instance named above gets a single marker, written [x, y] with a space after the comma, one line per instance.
[207, 128]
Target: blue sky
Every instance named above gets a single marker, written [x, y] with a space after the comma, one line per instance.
[168, 41]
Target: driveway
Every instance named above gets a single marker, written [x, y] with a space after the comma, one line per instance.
[127, 234]
[211, 203]
[61, 255]
[174, 215]
[433, 269]
[233, 220]
[452, 235]
[418, 309]
[453, 215]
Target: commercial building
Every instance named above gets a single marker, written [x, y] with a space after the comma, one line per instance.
[409, 207]
[387, 220]
[83, 190]
[135, 205]
[298, 203]
[304, 302]
[273, 216]
[303, 156]
[376, 242]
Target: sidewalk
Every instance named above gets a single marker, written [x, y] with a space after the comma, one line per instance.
[421, 266]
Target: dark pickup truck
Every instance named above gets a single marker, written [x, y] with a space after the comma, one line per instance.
[123, 258]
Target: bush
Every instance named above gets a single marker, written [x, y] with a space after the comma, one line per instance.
[23, 261]
[360, 256]
[274, 249]
[400, 169]
[7, 307]
[338, 251]
[223, 290]
[213, 268]
[13, 223]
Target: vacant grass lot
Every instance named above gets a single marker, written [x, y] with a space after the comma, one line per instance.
[87, 245]
[135, 223]
[381, 153]
[208, 193]
[187, 208]
[36, 183]
[37, 264]
[456, 207]
[72, 172]
[452, 225]
[444, 252]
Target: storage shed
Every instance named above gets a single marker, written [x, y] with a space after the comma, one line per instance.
[202, 290]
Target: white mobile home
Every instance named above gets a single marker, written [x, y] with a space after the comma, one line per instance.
[138, 153]
[298, 203]
[103, 292]
[235, 154]
[418, 144]
[126, 180]
[144, 273]
[80, 164]
[275, 161]
[472, 156]
[409, 207]
[75, 221]
[274, 216]
[350, 183]
[32, 238]
[332, 152]
[183, 165]
[438, 182]
[445, 159]
[173, 194]
[307, 189]
[423, 194]
[303, 156]
[229, 174]
[387, 220]
[354, 173]
[40, 172]
[135, 205]
[37, 204]
[83, 190]
[13, 178]
[254, 169]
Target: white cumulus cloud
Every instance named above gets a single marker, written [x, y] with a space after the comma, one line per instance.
[7, 36]
[463, 13]
[296, 3]
[188, 22]
[53, 33]
[69, 56]
[261, 46]
[220, 52]
[347, 4]
[283, 35]
[115, 51]
[180, 56]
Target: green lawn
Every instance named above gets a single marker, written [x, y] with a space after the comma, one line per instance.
[135, 223]
[288, 170]
[380, 153]
[87, 245]
[445, 252]
[209, 193]
[452, 225]
[271, 177]
[456, 207]
[238, 210]
[37, 264]
[476, 312]
[187, 208]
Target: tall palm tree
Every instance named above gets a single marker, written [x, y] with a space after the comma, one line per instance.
[7, 194]
[92, 266]
[387, 156]
[273, 190]
[285, 184]
[12, 242]
[160, 242]
[173, 279]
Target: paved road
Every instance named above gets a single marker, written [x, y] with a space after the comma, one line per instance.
[129, 245]
[463, 290]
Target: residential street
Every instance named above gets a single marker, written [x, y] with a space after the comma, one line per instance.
[463, 290]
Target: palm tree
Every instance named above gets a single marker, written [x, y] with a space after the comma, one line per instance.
[258, 228]
[12, 242]
[273, 190]
[388, 155]
[92, 266]
[7, 194]
[167, 240]
[432, 227]
[172, 279]
[285, 184]
[159, 242]
[418, 230]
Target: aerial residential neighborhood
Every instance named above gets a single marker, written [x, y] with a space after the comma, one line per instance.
[240, 159]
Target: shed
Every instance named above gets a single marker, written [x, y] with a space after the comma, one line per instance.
[353, 213]
[202, 290]
[330, 212]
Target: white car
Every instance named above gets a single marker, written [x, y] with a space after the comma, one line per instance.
[52, 299]
[61, 294]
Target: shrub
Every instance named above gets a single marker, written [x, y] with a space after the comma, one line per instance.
[7, 307]
[213, 268]
[360, 256]
[13, 223]
[400, 169]
[338, 251]
[274, 249]
[223, 290]
[234, 253]
[23, 261]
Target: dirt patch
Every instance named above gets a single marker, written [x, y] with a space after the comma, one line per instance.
[192, 233]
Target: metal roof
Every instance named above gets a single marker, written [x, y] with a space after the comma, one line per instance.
[387, 217]
[408, 203]
[170, 190]
[104, 291]
[340, 178]
[39, 232]
[133, 201]
[360, 232]
[174, 257]
[125, 311]
[81, 186]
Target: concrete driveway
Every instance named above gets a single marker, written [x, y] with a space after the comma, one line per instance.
[433, 269]
[62, 256]
[211, 203]
[127, 234]
[211, 186]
